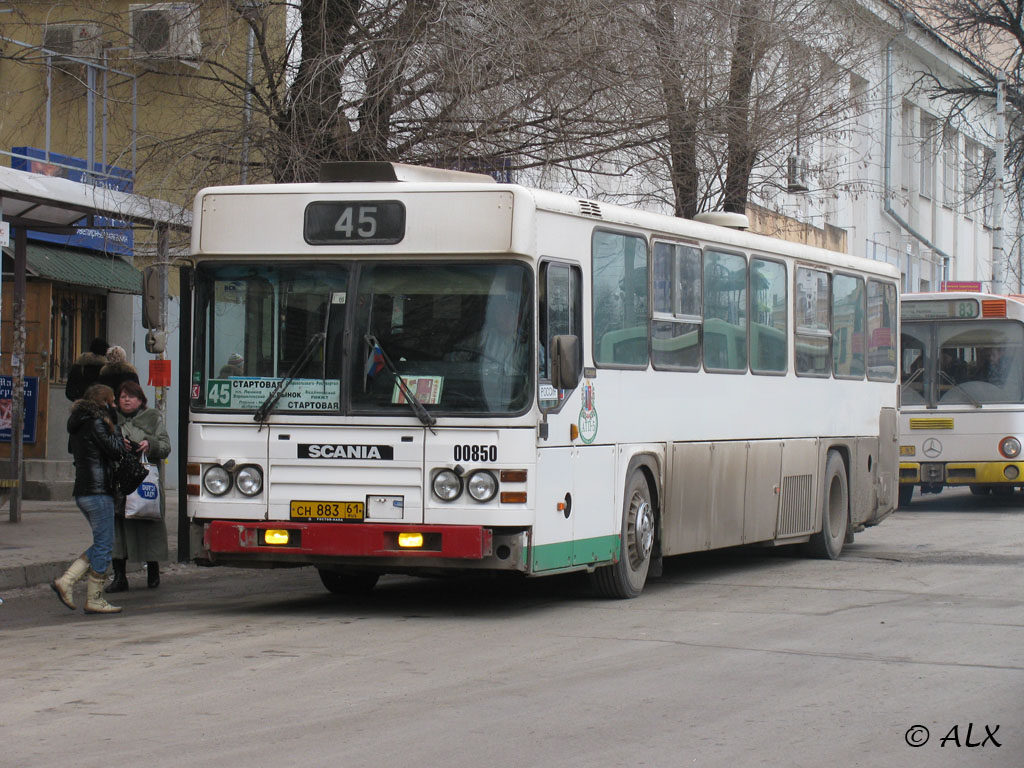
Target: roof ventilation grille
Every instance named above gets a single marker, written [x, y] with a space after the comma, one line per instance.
[590, 208]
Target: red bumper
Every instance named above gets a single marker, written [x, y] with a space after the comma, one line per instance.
[347, 539]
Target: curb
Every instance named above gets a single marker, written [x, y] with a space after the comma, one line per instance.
[21, 576]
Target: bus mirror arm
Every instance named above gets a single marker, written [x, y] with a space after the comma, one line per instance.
[565, 361]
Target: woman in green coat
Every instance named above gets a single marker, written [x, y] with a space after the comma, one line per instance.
[140, 540]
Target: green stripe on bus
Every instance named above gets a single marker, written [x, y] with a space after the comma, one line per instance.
[565, 554]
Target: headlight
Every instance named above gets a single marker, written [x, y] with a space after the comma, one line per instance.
[217, 480]
[249, 480]
[1009, 447]
[447, 485]
[482, 485]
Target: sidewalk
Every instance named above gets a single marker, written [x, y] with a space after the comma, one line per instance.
[50, 535]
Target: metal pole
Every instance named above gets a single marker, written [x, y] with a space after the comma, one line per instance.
[162, 260]
[18, 375]
[998, 258]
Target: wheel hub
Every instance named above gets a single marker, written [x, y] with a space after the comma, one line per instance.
[642, 532]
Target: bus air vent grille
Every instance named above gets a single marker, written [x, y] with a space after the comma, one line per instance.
[590, 208]
[931, 423]
[796, 512]
[993, 308]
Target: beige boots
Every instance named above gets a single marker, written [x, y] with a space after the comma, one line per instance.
[65, 585]
[94, 602]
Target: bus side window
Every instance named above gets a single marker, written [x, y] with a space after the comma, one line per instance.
[812, 310]
[561, 310]
[620, 300]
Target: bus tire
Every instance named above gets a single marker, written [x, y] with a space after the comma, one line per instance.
[348, 583]
[835, 511]
[906, 494]
[626, 578]
[979, 490]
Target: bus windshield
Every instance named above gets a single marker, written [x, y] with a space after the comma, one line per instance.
[270, 338]
[458, 335]
[963, 362]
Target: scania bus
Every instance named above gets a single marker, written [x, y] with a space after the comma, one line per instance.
[411, 370]
[962, 417]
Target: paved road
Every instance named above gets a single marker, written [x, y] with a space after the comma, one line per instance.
[743, 658]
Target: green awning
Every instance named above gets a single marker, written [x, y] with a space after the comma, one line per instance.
[65, 265]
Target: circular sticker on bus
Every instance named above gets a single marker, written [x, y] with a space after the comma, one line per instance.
[588, 414]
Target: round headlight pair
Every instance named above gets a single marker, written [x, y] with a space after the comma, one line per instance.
[248, 479]
[481, 485]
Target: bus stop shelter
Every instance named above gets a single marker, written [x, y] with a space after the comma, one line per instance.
[31, 201]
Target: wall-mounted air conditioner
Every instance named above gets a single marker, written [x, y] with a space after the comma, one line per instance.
[165, 31]
[81, 41]
[797, 175]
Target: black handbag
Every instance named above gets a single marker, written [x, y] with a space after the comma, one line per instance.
[129, 472]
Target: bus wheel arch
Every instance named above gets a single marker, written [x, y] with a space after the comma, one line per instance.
[638, 536]
[835, 509]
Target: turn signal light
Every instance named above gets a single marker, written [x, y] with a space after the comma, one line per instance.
[410, 540]
[513, 475]
[275, 537]
[513, 497]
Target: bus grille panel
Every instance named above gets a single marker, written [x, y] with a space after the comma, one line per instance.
[796, 513]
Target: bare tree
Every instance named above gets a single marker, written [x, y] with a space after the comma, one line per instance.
[694, 103]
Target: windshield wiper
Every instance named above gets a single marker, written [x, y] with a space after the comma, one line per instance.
[949, 380]
[263, 412]
[417, 407]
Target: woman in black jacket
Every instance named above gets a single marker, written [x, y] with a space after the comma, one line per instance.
[96, 444]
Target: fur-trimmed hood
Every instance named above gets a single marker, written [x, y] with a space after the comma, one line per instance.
[91, 358]
[84, 412]
[117, 369]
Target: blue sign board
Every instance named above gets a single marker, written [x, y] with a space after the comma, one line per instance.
[28, 434]
[111, 236]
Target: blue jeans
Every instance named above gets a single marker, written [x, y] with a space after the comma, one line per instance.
[99, 511]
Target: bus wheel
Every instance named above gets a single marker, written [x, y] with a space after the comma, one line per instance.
[906, 494]
[979, 490]
[626, 578]
[835, 512]
[350, 583]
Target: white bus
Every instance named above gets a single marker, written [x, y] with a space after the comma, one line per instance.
[408, 370]
[962, 417]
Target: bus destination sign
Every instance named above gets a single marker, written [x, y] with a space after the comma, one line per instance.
[354, 222]
[947, 309]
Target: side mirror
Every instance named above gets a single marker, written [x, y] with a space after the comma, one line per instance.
[565, 362]
[152, 289]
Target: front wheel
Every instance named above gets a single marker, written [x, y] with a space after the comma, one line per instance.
[348, 583]
[835, 511]
[906, 494]
[626, 578]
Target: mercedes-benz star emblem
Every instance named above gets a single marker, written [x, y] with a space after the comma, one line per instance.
[931, 448]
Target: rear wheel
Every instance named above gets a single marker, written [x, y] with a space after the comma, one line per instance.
[350, 583]
[626, 578]
[980, 490]
[835, 511]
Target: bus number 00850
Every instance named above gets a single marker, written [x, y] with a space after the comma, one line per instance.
[476, 453]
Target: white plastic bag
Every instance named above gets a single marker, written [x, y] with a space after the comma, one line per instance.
[144, 502]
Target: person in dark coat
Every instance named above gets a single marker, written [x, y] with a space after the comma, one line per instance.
[117, 369]
[140, 540]
[97, 445]
[86, 369]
